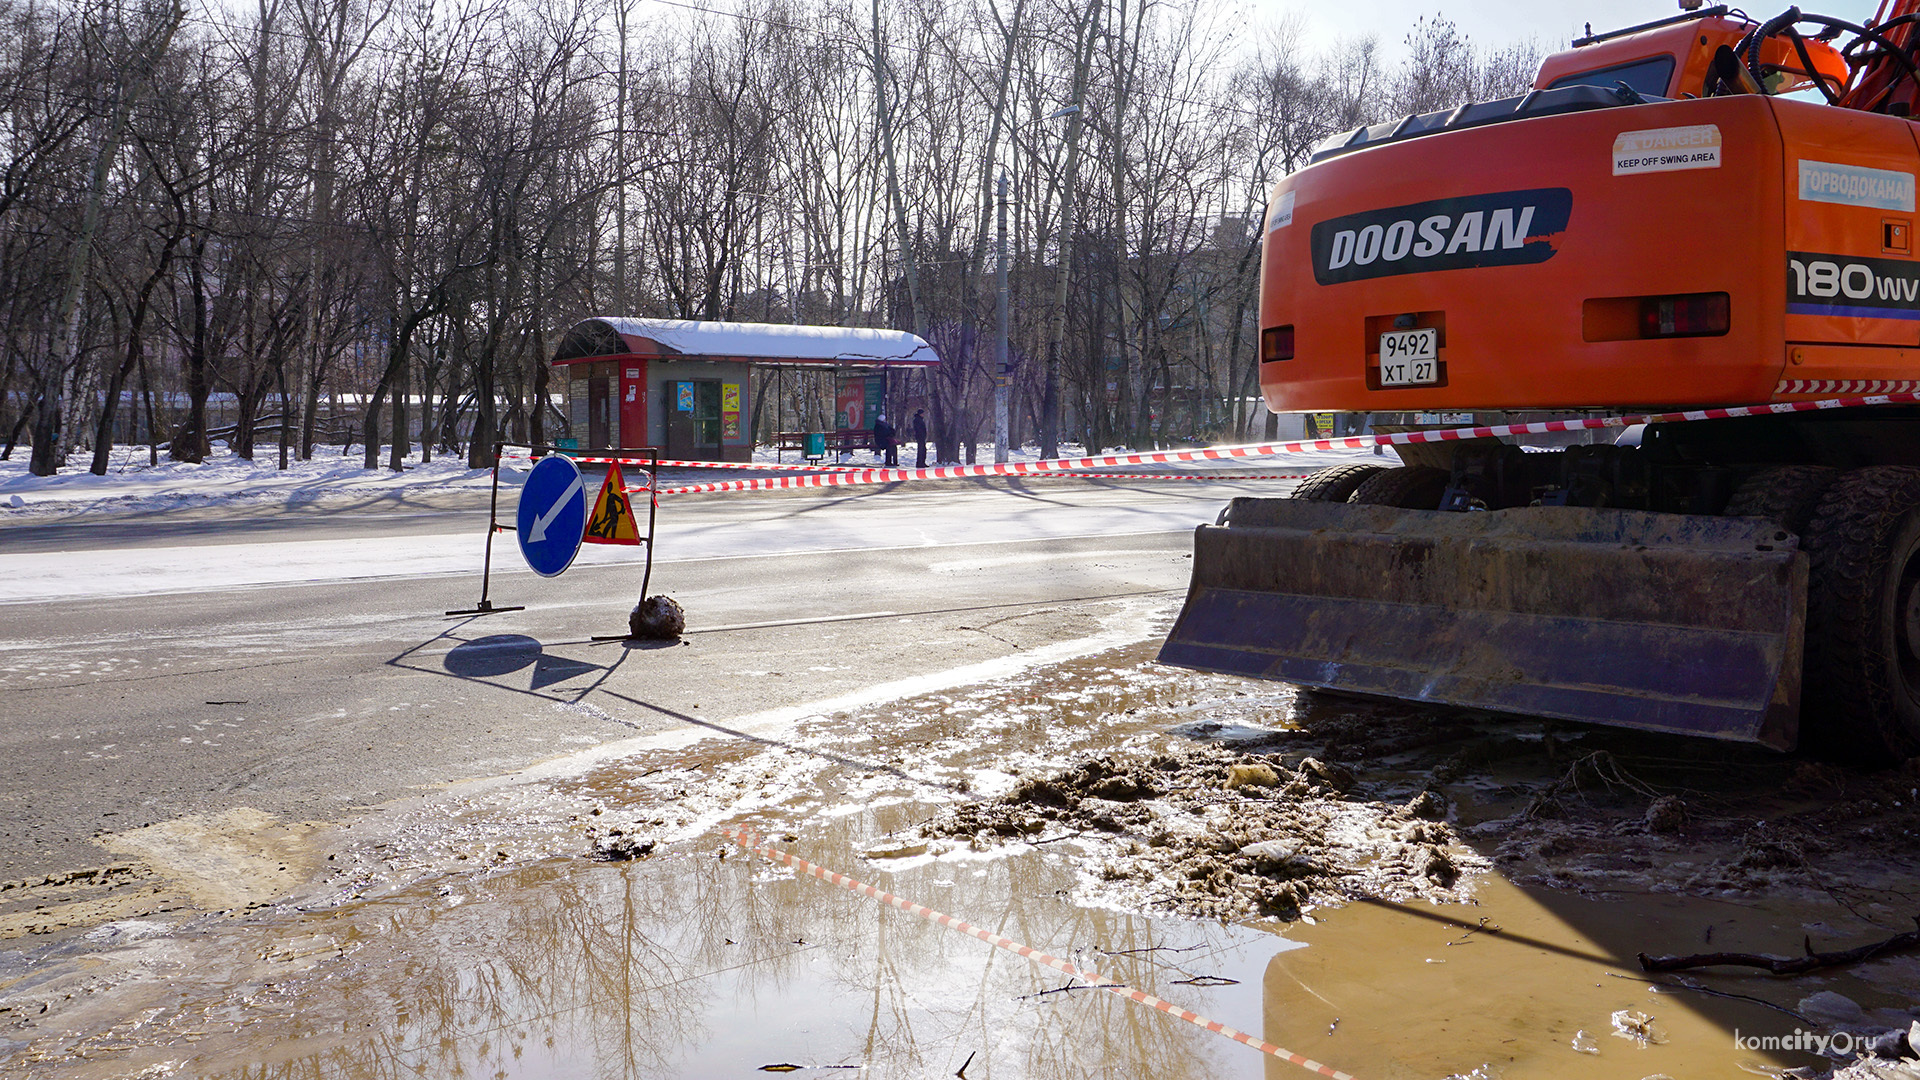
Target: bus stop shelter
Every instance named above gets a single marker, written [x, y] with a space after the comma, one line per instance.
[685, 386]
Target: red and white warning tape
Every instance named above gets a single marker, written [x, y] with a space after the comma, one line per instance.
[1224, 453]
[1092, 978]
[1183, 476]
[757, 466]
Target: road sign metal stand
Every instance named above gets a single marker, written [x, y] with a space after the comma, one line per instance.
[486, 606]
[649, 458]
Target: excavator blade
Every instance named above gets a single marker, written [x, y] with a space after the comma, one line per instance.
[1662, 622]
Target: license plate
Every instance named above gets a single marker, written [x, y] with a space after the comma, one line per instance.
[1410, 357]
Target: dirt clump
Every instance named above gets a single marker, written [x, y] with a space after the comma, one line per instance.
[1666, 814]
[1207, 831]
[618, 845]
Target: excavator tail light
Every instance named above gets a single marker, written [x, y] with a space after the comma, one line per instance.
[1685, 315]
[1276, 343]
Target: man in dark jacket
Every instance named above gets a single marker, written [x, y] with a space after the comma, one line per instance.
[920, 435]
[883, 441]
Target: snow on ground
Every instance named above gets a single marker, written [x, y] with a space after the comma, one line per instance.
[132, 484]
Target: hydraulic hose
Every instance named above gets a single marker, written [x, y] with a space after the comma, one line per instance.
[1863, 35]
[1751, 46]
[1819, 80]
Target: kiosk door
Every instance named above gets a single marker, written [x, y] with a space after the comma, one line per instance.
[599, 413]
[692, 411]
[633, 404]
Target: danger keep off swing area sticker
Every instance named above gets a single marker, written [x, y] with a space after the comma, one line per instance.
[1667, 149]
[612, 520]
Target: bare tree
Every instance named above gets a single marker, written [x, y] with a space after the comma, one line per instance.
[129, 44]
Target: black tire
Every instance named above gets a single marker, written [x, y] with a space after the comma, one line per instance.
[1783, 494]
[1335, 483]
[1860, 698]
[1409, 487]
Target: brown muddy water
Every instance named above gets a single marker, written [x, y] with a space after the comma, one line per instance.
[1398, 893]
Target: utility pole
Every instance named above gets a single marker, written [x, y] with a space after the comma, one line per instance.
[620, 307]
[1004, 327]
[1004, 324]
[1057, 315]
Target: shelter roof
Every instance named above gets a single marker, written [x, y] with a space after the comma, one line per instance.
[775, 343]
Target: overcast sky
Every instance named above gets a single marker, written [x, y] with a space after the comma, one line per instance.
[1501, 22]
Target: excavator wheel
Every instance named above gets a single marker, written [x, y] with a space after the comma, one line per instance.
[1409, 487]
[1862, 689]
[1783, 494]
[1335, 483]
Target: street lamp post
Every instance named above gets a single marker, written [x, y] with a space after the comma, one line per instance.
[1003, 316]
[1003, 323]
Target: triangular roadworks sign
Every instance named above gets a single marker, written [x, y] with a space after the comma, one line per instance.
[612, 520]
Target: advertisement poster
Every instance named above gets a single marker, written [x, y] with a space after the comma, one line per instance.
[850, 403]
[685, 401]
[730, 410]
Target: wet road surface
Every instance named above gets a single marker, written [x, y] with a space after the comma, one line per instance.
[589, 916]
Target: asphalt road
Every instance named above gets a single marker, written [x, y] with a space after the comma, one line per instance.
[132, 692]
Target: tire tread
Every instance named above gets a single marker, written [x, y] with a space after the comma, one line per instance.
[1335, 483]
[1410, 487]
[1848, 694]
[1786, 495]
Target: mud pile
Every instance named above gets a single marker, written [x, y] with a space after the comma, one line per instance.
[1205, 831]
[1610, 821]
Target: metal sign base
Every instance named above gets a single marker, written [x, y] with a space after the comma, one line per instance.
[487, 608]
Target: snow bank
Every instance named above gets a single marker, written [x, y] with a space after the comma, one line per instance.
[132, 484]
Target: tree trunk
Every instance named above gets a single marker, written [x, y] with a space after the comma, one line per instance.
[286, 413]
[189, 442]
[247, 411]
[48, 452]
[136, 357]
[310, 411]
[905, 234]
[397, 351]
[480, 442]
[402, 434]
[1057, 313]
[153, 427]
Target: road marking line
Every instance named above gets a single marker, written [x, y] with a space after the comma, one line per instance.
[791, 622]
[1092, 978]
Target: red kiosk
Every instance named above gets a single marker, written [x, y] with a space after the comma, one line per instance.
[684, 386]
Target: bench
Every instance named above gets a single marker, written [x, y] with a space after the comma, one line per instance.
[843, 441]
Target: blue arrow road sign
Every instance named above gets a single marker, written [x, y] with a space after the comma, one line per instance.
[553, 515]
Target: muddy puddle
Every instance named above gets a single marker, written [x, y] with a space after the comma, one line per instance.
[1393, 892]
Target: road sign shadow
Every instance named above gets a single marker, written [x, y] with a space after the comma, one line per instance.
[496, 655]
[486, 659]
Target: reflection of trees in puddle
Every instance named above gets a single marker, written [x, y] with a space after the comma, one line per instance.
[688, 964]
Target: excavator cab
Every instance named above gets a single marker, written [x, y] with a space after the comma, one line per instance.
[1653, 227]
[1682, 58]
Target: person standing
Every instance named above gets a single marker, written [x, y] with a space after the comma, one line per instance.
[920, 436]
[883, 441]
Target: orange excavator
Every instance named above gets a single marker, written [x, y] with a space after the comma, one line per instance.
[1700, 211]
